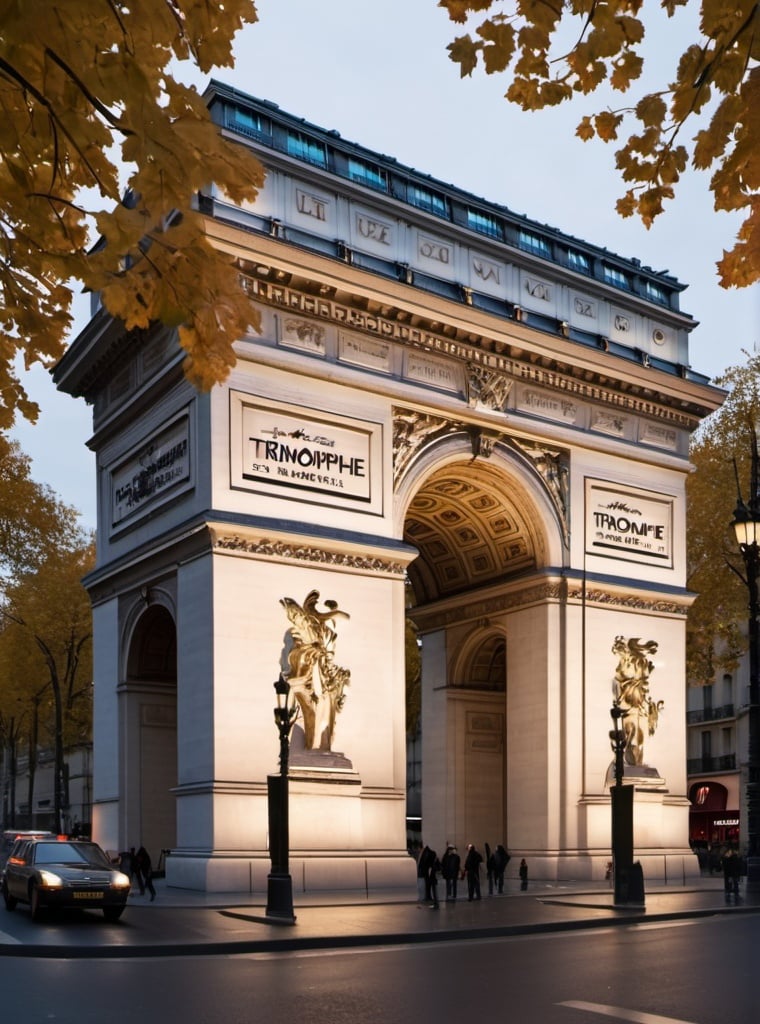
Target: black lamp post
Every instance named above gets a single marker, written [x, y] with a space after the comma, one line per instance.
[628, 877]
[746, 526]
[279, 882]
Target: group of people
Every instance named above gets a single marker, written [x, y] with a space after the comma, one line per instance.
[453, 870]
[137, 865]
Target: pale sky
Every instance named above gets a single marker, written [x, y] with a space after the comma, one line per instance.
[379, 73]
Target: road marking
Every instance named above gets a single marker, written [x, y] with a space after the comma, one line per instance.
[6, 938]
[622, 1014]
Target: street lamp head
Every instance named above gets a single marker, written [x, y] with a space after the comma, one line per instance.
[746, 525]
[286, 711]
[282, 689]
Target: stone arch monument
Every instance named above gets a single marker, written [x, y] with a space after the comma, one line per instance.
[446, 400]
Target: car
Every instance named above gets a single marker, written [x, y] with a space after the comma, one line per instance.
[12, 834]
[56, 873]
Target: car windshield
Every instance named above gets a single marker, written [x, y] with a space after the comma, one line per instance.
[70, 853]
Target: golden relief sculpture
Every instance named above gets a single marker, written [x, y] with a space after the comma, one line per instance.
[640, 714]
[553, 469]
[316, 681]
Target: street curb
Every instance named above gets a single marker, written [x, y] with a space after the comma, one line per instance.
[296, 943]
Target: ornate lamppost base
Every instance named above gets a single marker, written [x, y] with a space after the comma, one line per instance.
[280, 899]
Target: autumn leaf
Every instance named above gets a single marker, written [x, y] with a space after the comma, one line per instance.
[83, 88]
[464, 52]
[716, 89]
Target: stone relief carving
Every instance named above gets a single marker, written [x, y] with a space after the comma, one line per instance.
[283, 550]
[307, 331]
[412, 430]
[554, 471]
[640, 714]
[487, 387]
[398, 328]
[483, 443]
[316, 681]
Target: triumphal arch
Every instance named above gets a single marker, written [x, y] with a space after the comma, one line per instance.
[452, 414]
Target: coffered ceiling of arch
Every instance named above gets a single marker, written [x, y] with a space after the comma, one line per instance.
[468, 530]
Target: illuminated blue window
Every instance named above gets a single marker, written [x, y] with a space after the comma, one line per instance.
[367, 174]
[484, 224]
[307, 149]
[534, 243]
[617, 277]
[247, 123]
[656, 294]
[424, 199]
[578, 261]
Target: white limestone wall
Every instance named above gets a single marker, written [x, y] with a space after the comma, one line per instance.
[347, 828]
[534, 728]
[105, 727]
[439, 821]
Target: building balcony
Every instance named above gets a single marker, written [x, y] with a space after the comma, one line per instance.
[710, 714]
[701, 765]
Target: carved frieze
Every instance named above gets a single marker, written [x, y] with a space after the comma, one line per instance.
[286, 550]
[487, 387]
[478, 350]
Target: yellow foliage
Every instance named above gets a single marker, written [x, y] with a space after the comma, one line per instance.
[716, 89]
[79, 81]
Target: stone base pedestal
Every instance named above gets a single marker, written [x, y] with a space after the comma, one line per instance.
[636, 775]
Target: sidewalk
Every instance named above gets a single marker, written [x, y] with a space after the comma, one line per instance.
[180, 922]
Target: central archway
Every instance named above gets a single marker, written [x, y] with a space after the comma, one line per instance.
[482, 529]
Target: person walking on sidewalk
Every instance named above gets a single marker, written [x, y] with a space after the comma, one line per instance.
[731, 869]
[145, 869]
[472, 863]
[450, 867]
[523, 874]
[435, 867]
[500, 860]
[490, 866]
[424, 864]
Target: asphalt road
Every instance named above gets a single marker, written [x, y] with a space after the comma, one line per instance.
[700, 971]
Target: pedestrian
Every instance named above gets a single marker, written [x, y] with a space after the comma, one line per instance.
[731, 870]
[145, 869]
[523, 874]
[450, 867]
[489, 869]
[135, 875]
[500, 859]
[423, 873]
[435, 867]
[472, 863]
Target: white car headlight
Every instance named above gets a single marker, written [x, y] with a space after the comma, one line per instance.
[119, 881]
[50, 880]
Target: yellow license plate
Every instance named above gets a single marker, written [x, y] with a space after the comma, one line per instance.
[87, 895]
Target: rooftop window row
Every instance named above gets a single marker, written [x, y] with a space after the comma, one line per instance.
[399, 185]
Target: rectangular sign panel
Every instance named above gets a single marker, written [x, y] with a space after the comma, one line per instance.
[628, 523]
[277, 447]
[152, 473]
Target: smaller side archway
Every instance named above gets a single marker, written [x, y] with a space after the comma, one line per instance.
[476, 715]
[148, 731]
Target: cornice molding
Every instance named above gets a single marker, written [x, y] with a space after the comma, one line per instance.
[286, 551]
[405, 327]
[549, 591]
